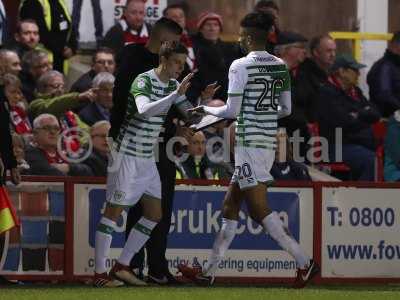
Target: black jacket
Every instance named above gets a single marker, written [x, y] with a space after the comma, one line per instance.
[136, 59]
[91, 114]
[83, 83]
[19, 48]
[6, 147]
[189, 171]
[335, 109]
[39, 164]
[28, 85]
[306, 87]
[115, 40]
[384, 83]
[94, 165]
[298, 118]
[213, 62]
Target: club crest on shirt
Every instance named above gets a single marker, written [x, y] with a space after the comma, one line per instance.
[141, 83]
[119, 196]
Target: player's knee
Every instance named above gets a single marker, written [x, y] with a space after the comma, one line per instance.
[230, 212]
[112, 212]
[154, 216]
[258, 215]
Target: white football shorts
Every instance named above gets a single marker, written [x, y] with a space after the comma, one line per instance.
[130, 177]
[252, 165]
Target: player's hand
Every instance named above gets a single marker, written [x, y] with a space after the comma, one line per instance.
[15, 176]
[185, 84]
[209, 91]
[197, 110]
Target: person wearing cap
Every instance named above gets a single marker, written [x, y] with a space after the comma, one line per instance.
[213, 57]
[291, 47]
[384, 79]
[342, 105]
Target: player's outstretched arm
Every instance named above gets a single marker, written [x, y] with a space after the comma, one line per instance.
[229, 111]
[149, 109]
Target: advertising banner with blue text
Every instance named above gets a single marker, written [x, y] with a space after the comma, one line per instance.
[195, 220]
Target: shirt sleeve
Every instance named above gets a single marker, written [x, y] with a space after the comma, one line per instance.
[237, 78]
[141, 86]
[141, 92]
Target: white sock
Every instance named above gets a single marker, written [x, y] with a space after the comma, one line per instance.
[138, 236]
[274, 226]
[104, 231]
[222, 242]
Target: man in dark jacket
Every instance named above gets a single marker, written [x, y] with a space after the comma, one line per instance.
[103, 60]
[34, 64]
[99, 109]
[313, 73]
[26, 37]
[291, 48]
[384, 79]
[341, 105]
[44, 158]
[96, 163]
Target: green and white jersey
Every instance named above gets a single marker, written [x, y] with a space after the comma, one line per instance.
[260, 79]
[139, 134]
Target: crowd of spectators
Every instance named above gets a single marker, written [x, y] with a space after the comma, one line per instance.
[325, 92]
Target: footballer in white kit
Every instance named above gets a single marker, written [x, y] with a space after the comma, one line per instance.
[258, 94]
[132, 173]
[259, 84]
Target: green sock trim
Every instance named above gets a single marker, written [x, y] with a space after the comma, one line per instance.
[143, 229]
[105, 228]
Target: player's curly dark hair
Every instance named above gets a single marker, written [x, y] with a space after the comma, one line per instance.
[258, 20]
[169, 48]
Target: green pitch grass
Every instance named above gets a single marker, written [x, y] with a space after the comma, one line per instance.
[200, 293]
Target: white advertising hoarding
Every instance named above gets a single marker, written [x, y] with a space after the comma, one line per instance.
[360, 233]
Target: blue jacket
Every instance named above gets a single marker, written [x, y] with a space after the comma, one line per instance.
[392, 151]
[91, 114]
[384, 83]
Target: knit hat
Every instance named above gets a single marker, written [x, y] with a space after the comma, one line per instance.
[208, 16]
